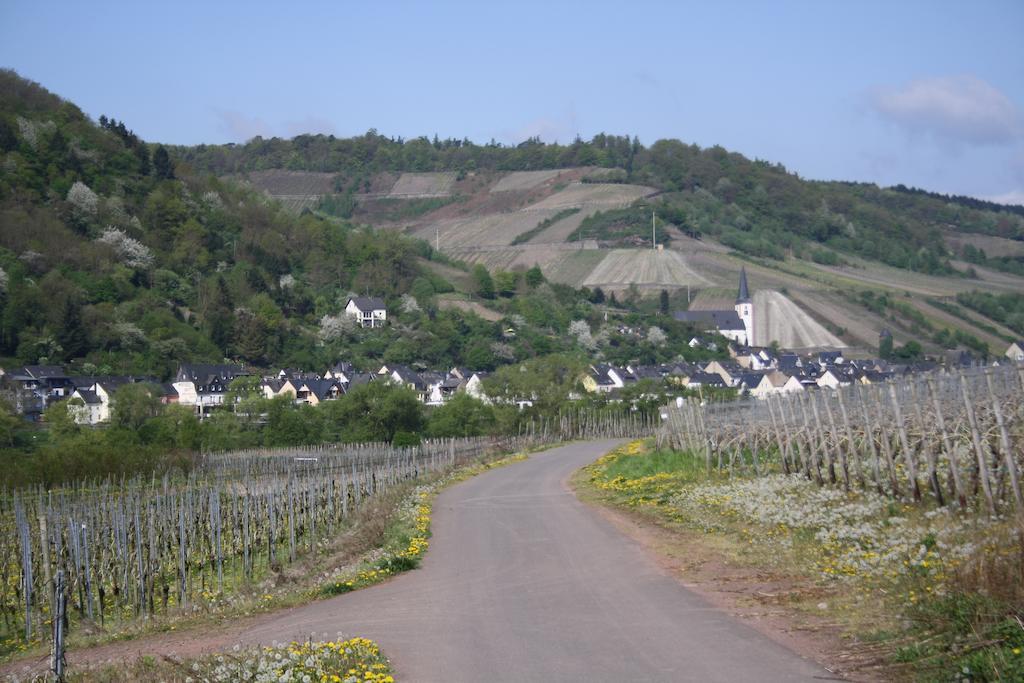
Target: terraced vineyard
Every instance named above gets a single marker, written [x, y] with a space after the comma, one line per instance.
[777, 318]
[560, 231]
[646, 268]
[550, 257]
[595, 194]
[296, 190]
[414, 185]
[574, 268]
[488, 230]
[524, 180]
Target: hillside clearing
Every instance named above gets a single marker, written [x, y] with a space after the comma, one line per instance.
[446, 303]
[990, 244]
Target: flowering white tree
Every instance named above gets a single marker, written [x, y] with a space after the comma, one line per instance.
[334, 327]
[132, 252]
[581, 330]
[286, 281]
[656, 335]
[409, 304]
[82, 199]
[3, 280]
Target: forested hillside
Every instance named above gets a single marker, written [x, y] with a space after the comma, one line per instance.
[753, 206]
[122, 258]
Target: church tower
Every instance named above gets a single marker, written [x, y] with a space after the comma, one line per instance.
[745, 307]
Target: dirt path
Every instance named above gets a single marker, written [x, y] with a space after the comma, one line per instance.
[523, 583]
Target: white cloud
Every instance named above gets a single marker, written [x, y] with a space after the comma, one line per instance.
[956, 109]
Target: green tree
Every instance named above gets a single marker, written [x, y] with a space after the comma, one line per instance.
[484, 283]
[885, 348]
[133, 405]
[373, 412]
[461, 416]
[547, 381]
[60, 418]
[534, 277]
[9, 423]
[162, 164]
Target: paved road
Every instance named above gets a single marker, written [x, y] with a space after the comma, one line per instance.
[524, 583]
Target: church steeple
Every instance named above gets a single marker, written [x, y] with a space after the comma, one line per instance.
[743, 297]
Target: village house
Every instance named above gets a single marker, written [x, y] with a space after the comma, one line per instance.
[34, 387]
[1015, 352]
[367, 310]
[315, 391]
[405, 377]
[205, 385]
[92, 401]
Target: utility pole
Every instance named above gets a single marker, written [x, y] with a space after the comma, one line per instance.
[654, 239]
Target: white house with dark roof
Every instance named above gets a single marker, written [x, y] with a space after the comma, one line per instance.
[1016, 351]
[205, 385]
[369, 311]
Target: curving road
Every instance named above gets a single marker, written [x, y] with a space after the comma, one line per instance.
[525, 583]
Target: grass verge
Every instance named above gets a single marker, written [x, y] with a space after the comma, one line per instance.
[356, 660]
[913, 593]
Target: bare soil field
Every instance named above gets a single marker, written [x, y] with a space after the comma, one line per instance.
[524, 180]
[991, 245]
[423, 185]
[583, 194]
[644, 268]
[777, 318]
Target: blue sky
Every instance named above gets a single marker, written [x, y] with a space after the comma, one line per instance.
[924, 93]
